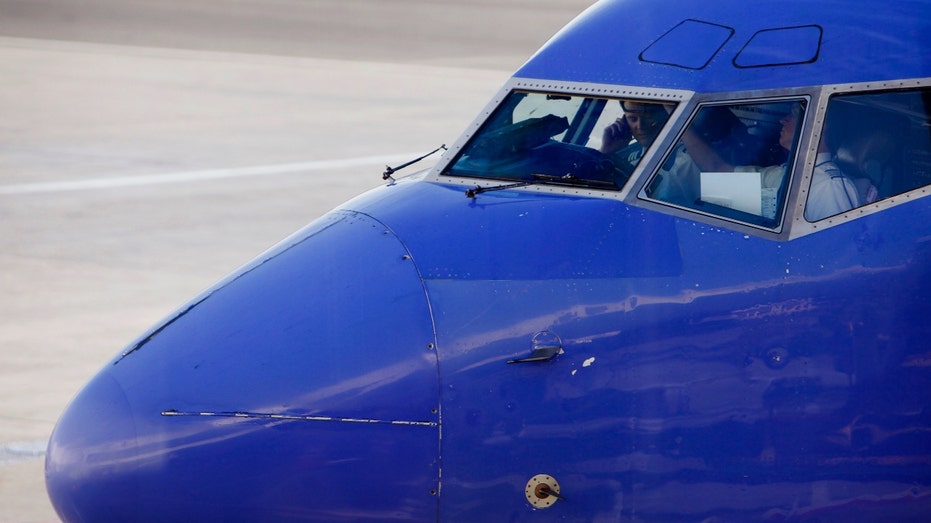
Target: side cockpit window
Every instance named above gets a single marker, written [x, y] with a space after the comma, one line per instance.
[584, 141]
[732, 161]
[874, 146]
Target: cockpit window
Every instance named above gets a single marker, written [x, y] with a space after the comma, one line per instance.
[555, 138]
[875, 145]
[732, 161]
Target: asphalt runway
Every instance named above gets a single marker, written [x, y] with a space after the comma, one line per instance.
[148, 148]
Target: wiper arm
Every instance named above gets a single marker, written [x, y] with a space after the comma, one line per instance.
[391, 170]
[471, 193]
[567, 179]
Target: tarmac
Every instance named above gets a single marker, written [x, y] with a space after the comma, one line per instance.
[149, 148]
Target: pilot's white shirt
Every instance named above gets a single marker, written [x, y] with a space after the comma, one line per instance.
[680, 179]
[831, 192]
[770, 177]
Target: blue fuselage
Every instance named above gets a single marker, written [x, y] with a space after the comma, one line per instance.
[697, 364]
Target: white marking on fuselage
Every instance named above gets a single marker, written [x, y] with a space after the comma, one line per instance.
[289, 417]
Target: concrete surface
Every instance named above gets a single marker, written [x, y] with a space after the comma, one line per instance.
[148, 148]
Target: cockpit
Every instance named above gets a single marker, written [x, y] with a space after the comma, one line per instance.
[760, 161]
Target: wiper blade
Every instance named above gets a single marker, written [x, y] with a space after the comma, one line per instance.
[571, 179]
[538, 179]
[391, 170]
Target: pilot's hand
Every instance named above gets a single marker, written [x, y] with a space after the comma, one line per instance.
[616, 136]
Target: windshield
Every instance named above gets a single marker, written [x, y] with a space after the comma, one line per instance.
[556, 138]
[734, 161]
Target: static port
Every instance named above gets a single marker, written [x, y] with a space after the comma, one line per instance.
[542, 491]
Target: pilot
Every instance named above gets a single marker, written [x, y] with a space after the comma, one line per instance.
[831, 191]
[640, 122]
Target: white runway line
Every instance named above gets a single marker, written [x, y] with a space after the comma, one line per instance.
[22, 451]
[200, 175]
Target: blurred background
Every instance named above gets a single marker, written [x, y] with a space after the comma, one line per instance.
[150, 147]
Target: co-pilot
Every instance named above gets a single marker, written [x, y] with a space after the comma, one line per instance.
[640, 122]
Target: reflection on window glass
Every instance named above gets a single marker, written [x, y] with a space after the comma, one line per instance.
[553, 138]
[877, 145]
[732, 161]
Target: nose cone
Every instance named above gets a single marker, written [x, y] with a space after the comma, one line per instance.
[86, 447]
[303, 388]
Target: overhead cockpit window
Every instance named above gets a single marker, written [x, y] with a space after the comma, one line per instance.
[732, 161]
[781, 46]
[691, 44]
[875, 146]
[583, 141]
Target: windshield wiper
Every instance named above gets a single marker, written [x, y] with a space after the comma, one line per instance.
[571, 179]
[478, 189]
[391, 170]
[538, 179]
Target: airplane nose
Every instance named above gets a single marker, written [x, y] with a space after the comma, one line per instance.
[303, 387]
[84, 452]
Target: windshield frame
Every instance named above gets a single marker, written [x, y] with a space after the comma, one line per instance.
[792, 224]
